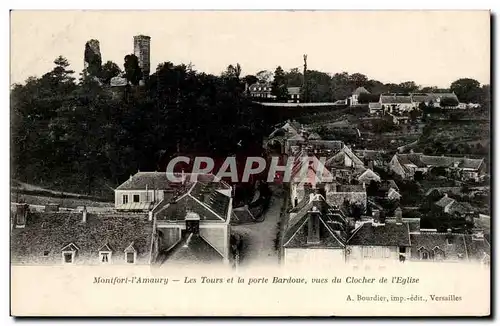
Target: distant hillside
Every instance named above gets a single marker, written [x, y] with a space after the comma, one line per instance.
[455, 137]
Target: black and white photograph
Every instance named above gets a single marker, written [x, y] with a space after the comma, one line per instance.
[147, 145]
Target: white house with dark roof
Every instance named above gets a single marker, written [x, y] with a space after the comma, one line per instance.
[396, 103]
[293, 94]
[450, 247]
[379, 241]
[355, 95]
[194, 225]
[81, 238]
[315, 235]
[406, 165]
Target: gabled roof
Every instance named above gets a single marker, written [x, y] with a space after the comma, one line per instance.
[154, 180]
[390, 234]
[445, 201]
[368, 173]
[339, 158]
[65, 230]
[411, 159]
[454, 249]
[130, 248]
[203, 198]
[450, 161]
[193, 248]
[374, 105]
[395, 99]
[293, 90]
[105, 247]
[332, 227]
[70, 247]
[360, 90]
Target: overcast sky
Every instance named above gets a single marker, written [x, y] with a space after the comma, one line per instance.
[430, 48]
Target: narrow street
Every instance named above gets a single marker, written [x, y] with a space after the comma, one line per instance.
[259, 238]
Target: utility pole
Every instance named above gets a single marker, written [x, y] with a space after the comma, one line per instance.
[304, 83]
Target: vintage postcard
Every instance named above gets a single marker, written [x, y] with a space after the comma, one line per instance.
[250, 163]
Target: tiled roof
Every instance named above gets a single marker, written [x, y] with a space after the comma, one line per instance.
[177, 211]
[192, 249]
[454, 249]
[293, 90]
[445, 201]
[360, 90]
[395, 99]
[351, 188]
[52, 231]
[477, 248]
[160, 181]
[390, 234]
[449, 161]
[333, 145]
[332, 227]
[415, 159]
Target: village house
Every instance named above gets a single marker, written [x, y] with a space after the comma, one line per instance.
[433, 99]
[315, 235]
[432, 246]
[57, 237]
[194, 227]
[379, 242]
[451, 206]
[368, 176]
[406, 165]
[261, 91]
[293, 94]
[354, 98]
[393, 103]
[375, 108]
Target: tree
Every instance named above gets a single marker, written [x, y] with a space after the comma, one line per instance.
[408, 87]
[294, 78]
[108, 71]
[264, 76]
[448, 102]
[279, 86]
[232, 71]
[250, 79]
[358, 80]
[467, 90]
[132, 71]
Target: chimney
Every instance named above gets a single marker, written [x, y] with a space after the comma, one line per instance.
[449, 237]
[183, 177]
[399, 216]
[21, 215]
[313, 226]
[445, 195]
[193, 223]
[477, 234]
[84, 214]
[376, 216]
[131, 177]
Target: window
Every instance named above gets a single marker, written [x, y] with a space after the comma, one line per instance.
[402, 250]
[125, 199]
[425, 255]
[46, 253]
[130, 257]
[136, 198]
[104, 257]
[68, 257]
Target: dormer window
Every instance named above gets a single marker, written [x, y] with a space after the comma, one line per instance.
[424, 254]
[130, 254]
[69, 253]
[105, 254]
[46, 253]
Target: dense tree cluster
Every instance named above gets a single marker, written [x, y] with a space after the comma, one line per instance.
[88, 136]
